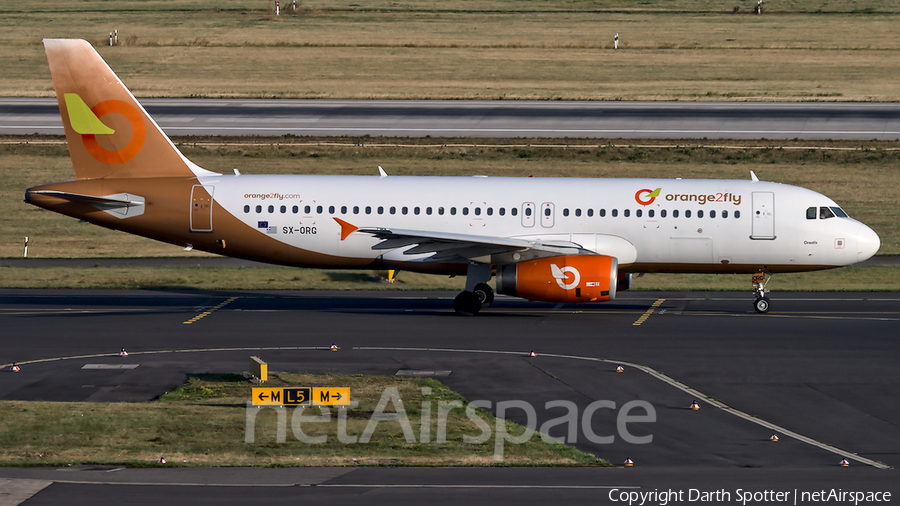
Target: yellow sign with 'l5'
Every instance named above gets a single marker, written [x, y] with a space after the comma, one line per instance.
[332, 396]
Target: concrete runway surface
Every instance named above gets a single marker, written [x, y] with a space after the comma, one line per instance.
[512, 119]
[820, 369]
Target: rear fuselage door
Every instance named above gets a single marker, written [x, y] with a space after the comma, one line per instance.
[201, 208]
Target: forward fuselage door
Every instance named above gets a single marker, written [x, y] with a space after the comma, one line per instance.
[763, 215]
[201, 208]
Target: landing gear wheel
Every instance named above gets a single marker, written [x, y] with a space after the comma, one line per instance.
[467, 304]
[485, 294]
[761, 305]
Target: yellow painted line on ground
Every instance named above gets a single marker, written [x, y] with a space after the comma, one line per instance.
[648, 312]
[210, 311]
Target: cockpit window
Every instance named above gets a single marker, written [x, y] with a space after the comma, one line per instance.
[839, 212]
[825, 213]
[811, 213]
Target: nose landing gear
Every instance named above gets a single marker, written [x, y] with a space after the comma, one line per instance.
[761, 304]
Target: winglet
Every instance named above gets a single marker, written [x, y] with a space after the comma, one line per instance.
[346, 228]
[753, 176]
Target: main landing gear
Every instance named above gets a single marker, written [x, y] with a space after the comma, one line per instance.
[761, 304]
[478, 294]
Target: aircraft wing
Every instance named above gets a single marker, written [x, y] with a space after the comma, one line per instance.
[448, 247]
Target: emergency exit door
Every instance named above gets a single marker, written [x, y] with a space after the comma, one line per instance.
[201, 208]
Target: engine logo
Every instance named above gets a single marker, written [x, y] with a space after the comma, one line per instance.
[561, 276]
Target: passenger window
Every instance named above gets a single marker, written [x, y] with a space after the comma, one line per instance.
[306, 210]
[428, 211]
[368, 209]
[404, 210]
[246, 209]
[662, 213]
[528, 211]
[355, 209]
[565, 212]
[626, 213]
[615, 212]
[502, 211]
[380, 209]
[319, 209]
[578, 212]
[651, 213]
[737, 214]
[724, 214]
[258, 209]
[415, 210]
[675, 213]
[590, 212]
[465, 211]
[452, 211]
[477, 211]
[490, 211]
[700, 213]
[638, 213]
[393, 210]
[687, 214]
[513, 211]
[825, 213]
[546, 211]
[810, 213]
[343, 209]
[441, 211]
[602, 213]
[712, 214]
[271, 209]
[330, 209]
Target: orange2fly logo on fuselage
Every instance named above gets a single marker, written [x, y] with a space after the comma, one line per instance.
[646, 196]
[86, 121]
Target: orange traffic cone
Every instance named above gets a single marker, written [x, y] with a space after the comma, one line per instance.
[14, 368]
[620, 369]
[532, 354]
[123, 353]
[629, 463]
[333, 347]
[774, 438]
[845, 463]
[695, 406]
[162, 460]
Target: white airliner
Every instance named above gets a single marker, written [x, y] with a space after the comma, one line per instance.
[548, 239]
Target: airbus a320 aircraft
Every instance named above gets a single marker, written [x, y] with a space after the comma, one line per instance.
[548, 239]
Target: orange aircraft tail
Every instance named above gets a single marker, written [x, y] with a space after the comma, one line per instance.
[109, 133]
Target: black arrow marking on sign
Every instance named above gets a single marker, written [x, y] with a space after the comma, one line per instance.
[262, 396]
[338, 396]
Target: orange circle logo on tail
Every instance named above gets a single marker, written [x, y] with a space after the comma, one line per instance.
[138, 133]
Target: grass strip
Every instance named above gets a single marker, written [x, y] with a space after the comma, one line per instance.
[202, 423]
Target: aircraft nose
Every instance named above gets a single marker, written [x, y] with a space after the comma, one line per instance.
[868, 243]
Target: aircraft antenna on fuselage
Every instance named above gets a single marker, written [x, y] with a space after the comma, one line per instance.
[753, 176]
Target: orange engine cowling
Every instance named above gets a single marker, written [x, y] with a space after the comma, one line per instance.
[567, 278]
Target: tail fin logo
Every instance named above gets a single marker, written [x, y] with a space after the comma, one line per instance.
[561, 276]
[87, 122]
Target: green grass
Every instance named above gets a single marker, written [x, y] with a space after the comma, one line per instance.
[202, 423]
[690, 50]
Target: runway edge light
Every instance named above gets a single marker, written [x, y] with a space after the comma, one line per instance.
[532, 354]
[695, 406]
[123, 353]
[620, 369]
[334, 347]
[845, 463]
[629, 463]
[774, 438]
[162, 460]
[14, 368]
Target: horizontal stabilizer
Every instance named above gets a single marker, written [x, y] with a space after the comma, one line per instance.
[120, 205]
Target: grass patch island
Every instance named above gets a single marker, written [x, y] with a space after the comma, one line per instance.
[205, 422]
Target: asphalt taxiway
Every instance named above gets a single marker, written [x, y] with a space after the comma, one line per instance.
[819, 369]
[512, 119]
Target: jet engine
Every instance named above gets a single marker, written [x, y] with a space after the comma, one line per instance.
[566, 278]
